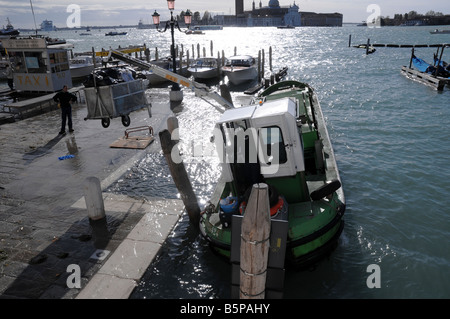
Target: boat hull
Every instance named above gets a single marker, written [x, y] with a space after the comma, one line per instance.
[239, 75]
[79, 72]
[204, 73]
[302, 251]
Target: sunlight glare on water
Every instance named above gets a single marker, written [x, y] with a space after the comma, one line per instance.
[391, 138]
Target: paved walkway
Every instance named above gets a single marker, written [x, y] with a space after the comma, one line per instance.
[44, 228]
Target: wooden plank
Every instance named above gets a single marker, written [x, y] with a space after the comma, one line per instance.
[425, 78]
[255, 234]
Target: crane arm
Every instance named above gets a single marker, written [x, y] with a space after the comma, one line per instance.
[199, 89]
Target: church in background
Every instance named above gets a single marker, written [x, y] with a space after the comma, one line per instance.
[274, 15]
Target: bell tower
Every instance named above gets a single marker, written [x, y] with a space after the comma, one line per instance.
[239, 6]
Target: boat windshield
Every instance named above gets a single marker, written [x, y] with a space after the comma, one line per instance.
[272, 142]
[240, 143]
[239, 62]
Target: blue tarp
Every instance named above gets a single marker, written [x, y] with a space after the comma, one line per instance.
[420, 64]
[425, 67]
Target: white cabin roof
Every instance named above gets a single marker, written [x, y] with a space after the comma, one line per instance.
[240, 113]
[265, 110]
[276, 107]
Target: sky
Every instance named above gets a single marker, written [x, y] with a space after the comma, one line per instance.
[65, 13]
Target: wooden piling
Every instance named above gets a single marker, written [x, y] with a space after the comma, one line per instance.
[180, 176]
[259, 66]
[270, 59]
[219, 65]
[349, 40]
[255, 234]
[93, 197]
[263, 71]
[410, 60]
[439, 62]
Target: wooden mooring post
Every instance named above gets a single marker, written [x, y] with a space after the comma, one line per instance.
[255, 235]
[180, 176]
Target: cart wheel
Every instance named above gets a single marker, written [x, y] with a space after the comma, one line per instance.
[105, 122]
[126, 120]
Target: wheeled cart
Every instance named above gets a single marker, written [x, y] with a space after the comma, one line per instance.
[117, 100]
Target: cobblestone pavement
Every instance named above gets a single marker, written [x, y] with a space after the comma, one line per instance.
[41, 231]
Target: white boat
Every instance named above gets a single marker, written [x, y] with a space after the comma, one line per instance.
[81, 66]
[240, 69]
[196, 30]
[204, 68]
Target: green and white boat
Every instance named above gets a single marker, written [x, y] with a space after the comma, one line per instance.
[279, 139]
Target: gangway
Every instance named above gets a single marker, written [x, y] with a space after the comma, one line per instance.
[200, 90]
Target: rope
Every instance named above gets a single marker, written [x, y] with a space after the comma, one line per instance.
[249, 295]
[255, 242]
[253, 275]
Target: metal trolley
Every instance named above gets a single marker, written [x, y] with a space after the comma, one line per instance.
[107, 102]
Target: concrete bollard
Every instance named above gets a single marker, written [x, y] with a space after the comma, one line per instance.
[93, 197]
[176, 96]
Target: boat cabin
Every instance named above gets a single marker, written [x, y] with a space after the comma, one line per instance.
[38, 66]
[261, 143]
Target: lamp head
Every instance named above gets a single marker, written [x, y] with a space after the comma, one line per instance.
[171, 4]
[155, 17]
[188, 18]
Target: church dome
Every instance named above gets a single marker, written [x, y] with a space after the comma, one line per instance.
[274, 4]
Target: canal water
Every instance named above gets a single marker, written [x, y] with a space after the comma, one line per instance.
[391, 138]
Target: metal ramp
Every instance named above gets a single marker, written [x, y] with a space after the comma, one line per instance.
[135, 142]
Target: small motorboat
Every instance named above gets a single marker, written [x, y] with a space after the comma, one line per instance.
[204, 68]
[113, 33]
[9, 30]
[437, 31]
[240, 69]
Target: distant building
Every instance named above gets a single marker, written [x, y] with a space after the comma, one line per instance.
[47, 25]
[313, 19]
[275, 15]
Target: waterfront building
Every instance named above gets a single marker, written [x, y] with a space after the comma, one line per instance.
[275, 15]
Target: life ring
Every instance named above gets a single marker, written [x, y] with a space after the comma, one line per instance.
[277, 207]
[242, 207]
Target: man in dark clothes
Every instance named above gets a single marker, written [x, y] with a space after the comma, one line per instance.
[64, 98]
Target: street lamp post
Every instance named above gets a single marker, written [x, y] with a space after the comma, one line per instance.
[175, 94]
